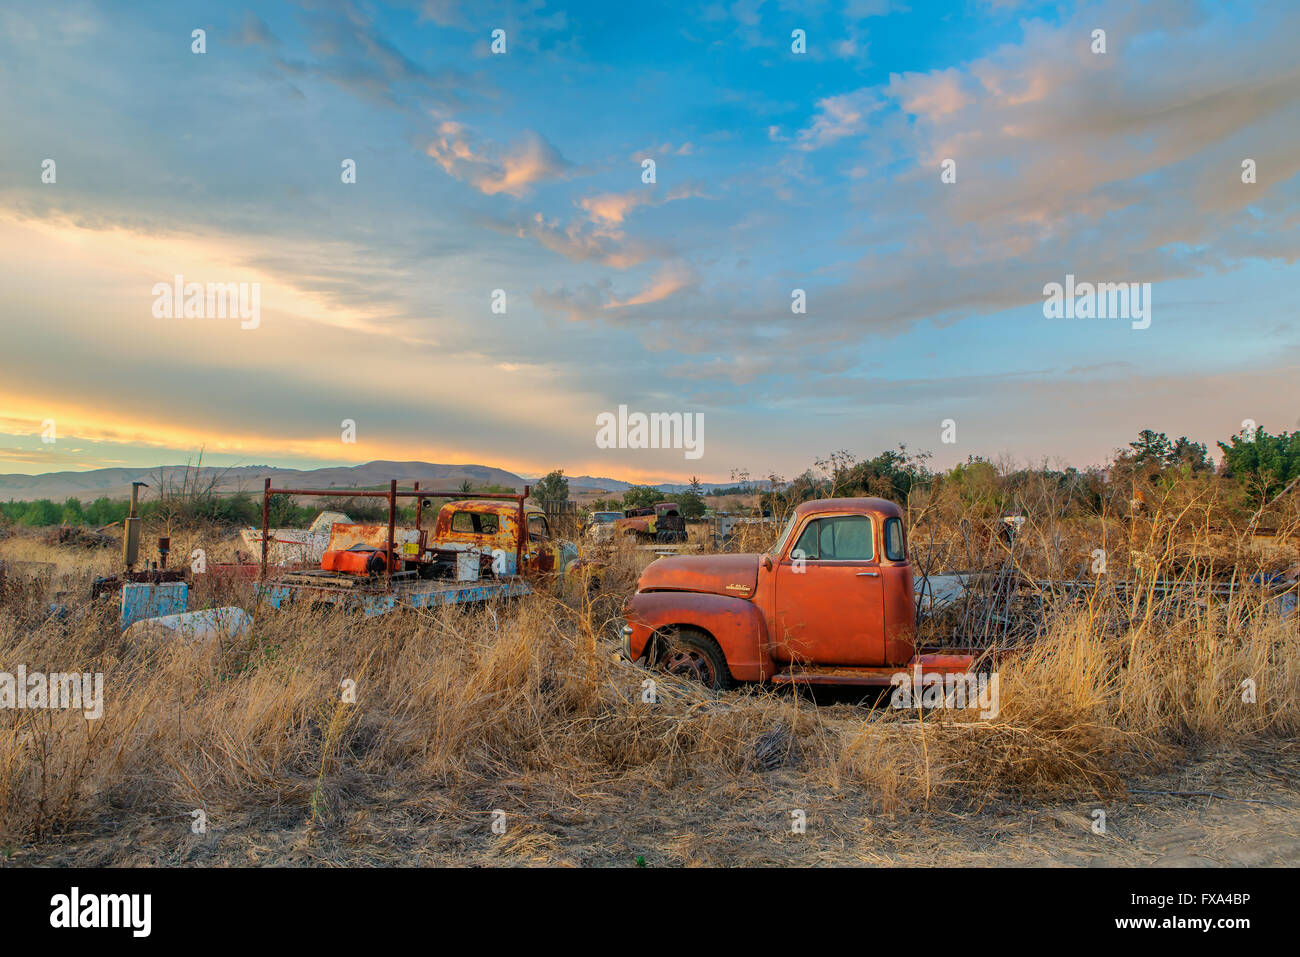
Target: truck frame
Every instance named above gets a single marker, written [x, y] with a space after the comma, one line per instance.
[831, 603]
[489, 556]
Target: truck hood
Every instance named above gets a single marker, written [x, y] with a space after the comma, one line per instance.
[734, 575]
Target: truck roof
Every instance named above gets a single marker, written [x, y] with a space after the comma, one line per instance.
[493, 506]
[873, 506]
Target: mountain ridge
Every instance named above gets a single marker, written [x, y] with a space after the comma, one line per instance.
[115, 482]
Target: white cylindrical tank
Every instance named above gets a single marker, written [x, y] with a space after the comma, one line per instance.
[195, 626]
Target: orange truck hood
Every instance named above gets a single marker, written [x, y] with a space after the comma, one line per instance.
[734, 575]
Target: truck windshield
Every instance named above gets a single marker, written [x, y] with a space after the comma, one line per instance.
[779, 547]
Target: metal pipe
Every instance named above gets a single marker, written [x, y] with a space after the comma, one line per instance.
[401, 493]
[266, 524]
[131, 530]
[522, 536]
[392, 530]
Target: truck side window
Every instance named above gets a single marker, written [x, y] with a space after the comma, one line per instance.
[894, 539]
[806, 547]
[846, 538]
[537, 529]
[474, 523]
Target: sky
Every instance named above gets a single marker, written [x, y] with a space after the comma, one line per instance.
[501, 273]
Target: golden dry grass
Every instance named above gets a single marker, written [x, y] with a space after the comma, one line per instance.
[523, 707]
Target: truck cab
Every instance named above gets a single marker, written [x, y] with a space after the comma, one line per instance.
[830, 603]
[600, 526]
[492, 529]
[660, 522]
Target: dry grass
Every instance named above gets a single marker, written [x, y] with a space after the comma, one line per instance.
[523, 707]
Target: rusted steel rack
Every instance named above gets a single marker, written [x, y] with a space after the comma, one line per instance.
[392, 495]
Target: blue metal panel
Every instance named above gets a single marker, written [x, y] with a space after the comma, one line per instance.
[141, 601]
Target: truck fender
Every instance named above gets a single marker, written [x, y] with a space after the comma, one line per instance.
[735, 624]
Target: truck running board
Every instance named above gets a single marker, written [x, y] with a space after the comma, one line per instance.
[825, 675]
[871, 676]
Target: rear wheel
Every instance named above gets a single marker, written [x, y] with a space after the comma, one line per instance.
[691, 653]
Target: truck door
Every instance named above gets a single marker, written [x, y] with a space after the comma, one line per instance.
[830, 596]
[541, 552]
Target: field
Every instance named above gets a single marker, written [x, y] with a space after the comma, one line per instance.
[513, 735]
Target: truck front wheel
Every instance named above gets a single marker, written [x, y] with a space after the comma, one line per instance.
[691, 653]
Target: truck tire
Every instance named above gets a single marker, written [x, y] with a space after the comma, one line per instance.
[692, 653]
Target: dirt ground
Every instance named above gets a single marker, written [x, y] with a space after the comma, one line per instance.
[1253, 821]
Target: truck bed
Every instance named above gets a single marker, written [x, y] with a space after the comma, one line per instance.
[372, 598]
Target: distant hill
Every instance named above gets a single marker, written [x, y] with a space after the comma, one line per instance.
[579, 484]
[587, 483]
[116, 482]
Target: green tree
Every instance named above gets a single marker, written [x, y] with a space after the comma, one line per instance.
[1191, 454]
[1151, 448]
[72, 513]
[104, 511]
[42, 512]
[691, 504]
[641, 495]
[976, 483]
[552, 487]
[1264, 464]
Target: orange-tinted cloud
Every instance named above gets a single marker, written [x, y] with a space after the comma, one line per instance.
[529, 161]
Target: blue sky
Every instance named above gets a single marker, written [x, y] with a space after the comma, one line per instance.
[775, 171]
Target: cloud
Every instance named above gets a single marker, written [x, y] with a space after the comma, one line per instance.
[347, 49]
[253, 31]
[585, 301]
[610, 209]
[932, 95]
[589, 301]
[671, 279]
[48, 460]
[1123, 167]
[514, 171]
[580, 243]
[838, 117]
[527, 25]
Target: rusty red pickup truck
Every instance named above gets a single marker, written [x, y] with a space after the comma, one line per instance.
[829, 604]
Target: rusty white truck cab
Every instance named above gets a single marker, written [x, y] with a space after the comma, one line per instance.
[493, 528]
[830, 603]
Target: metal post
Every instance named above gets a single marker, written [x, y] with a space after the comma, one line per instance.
[131, 530]
[392, 527]
[523, 534]
[266, 524]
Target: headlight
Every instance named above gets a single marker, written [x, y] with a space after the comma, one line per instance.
[627, 642]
